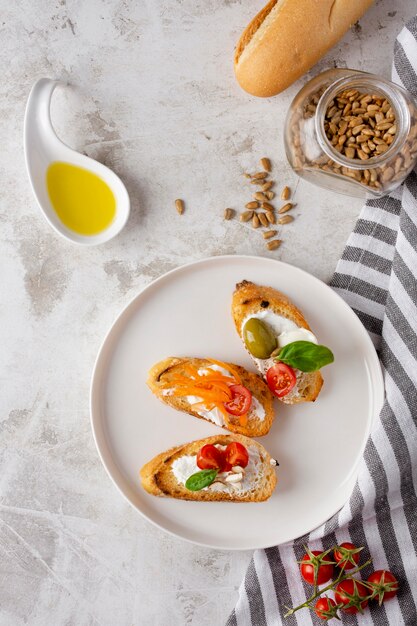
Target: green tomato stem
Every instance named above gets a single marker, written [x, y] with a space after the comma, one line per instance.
[332, 585]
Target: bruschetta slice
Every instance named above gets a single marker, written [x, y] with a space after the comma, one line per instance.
[231, 468]
[222, 393]
[267, 322]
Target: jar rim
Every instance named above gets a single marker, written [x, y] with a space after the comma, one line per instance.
[376, 84]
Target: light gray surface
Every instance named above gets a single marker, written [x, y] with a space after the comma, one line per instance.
[153, 96]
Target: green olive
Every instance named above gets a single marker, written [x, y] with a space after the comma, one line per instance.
[259, 338]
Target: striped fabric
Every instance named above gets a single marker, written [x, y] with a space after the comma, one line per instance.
[377, 276]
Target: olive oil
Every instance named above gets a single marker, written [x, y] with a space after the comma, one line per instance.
[82, 200]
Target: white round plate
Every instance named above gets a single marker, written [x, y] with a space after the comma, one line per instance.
[319, 445]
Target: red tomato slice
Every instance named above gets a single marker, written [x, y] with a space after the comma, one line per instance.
[281, 379]
[210, 457]
[236, 454]
[240, 402]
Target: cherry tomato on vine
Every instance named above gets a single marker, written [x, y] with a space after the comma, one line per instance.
[351, 593]
[281, 379]
[316, 567]
[347, 555]
[384, 585]
[325, 608]
[210, 457]
[240, 402]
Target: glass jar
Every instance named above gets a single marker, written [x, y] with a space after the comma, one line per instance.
[352, 132]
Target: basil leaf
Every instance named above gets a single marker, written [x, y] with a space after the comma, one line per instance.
[305, 356]
[202, 479]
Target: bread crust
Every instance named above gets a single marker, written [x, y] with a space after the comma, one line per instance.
[287, 37]
[158, 479]
[249, 298]
[160, 374]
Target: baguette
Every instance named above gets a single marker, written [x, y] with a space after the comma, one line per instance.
[158, 478]
[287, 38]
[258, 422]
[250, 299]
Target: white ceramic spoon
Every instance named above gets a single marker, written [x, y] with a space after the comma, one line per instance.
[42, 147]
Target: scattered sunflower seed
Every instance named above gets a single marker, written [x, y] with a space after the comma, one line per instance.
[259, 175]
[267, 206]
[246, 216]
[255, 221]
[274, 244]
[266, 164]
[286, 219]
[270, 216]
[286, 207]
[270, 195]
[267, 185]
[179, 204]
[252, 205]
[261, 197]
[263, 219]
[267, 234]
[285, 194]
[228, 214]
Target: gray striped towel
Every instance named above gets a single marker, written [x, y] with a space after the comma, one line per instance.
[377, 276]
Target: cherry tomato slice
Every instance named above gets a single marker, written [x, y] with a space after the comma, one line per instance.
[240, 402]
[281, 379]
[236, 454]
[210, 457]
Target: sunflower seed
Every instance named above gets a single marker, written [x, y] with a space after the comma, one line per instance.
[259, 175]
[286, 207]
[267, 185]
[179, 204]
[255, 221]
[246, 216]
[228, 214]
[267, 234]
[252, 205]
[266, 164]
[286, 192]
[274, 244]
[267, 206]
[260, 196]
[271, 217]
[263, 219]
[286, 219]
[270, 195]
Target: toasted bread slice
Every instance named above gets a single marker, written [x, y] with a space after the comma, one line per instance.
[259, 481]
[260, 416]
[250, 299]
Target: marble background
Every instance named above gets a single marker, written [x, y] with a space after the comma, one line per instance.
[152, 95]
